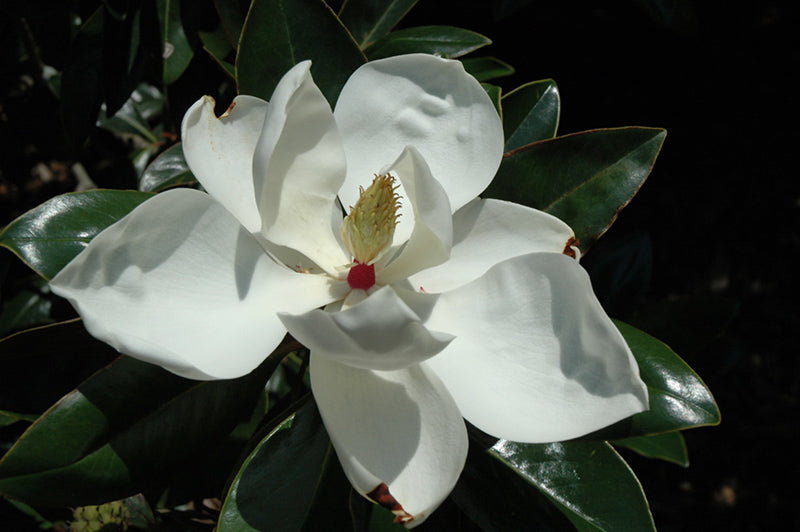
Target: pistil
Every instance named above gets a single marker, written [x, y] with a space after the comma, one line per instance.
[361, 276]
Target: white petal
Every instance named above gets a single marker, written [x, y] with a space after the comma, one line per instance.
[219, 152]
[399, 430]
[381, 332]
[486, 232]
[179, 283]
[432, 236]
[298, 167]
[535, 357]
[426, 102]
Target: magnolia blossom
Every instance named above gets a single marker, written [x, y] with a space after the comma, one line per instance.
[424, 306]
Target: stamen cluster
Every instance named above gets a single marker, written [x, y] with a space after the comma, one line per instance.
[369, 228]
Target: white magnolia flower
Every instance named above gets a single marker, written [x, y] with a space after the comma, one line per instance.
[426, 304]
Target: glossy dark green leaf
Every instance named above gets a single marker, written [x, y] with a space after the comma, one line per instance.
[277, 483]
[131, 51]
[445, 40]
[679, 399]
[122, 430]
[531, 113]
[588, 481]
[329, 509]
[30, 342]
[497, 499]
[369, 20]
[382, 520]
[27, 308]
[669, 446]
[142, 157]
[495, 93]
[584, 178]
[149, 102]
[278, 34]
[96, 479]
[228, 68]
[215, 42]
[52, 453]
[177, 50]
[487, 68]
[44, 523]
[168, 170]
[146, 104]
[82, 80]
[9, 418]
[232, 19]
[30, 361]
[47, 237]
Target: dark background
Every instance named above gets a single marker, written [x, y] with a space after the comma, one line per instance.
[708, 241]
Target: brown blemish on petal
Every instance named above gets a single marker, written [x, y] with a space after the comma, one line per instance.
[382, 496]
[568, 251]
[228, 110]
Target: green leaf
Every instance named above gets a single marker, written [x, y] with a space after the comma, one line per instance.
[44, 523]
[82, 80]
[33, 358]
[47, 237]
[486, 68]
[444, 40]
[678, 397]
[669, 446]
[230, 16]
[68, 335]
[275, 486]
[96, 479]
[122, 431]
[330, 509]
[149, 102]
[228, 68]
[131, 51]
[145, 104]
[141, 158]
[369, 20]
[278, 34]
[9, 418]
[531, 113]
[168, 170]
[584, 178]
[177, 50]
[27, 308]
[497, 499]
[495, 94]
[382, 520]
[215, 42]
[588, 481]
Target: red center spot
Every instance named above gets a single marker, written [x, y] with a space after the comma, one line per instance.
[361, 276]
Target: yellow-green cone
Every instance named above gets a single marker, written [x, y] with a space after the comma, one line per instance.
[369, 228]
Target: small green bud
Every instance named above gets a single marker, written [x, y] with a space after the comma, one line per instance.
[94, 518]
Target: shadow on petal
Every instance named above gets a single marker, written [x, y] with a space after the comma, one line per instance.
[592, 351]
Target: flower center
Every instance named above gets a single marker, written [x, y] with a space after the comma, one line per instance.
[361, 276]
[369, 228]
